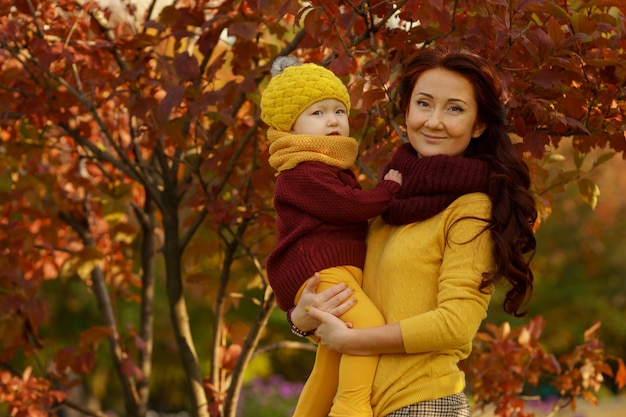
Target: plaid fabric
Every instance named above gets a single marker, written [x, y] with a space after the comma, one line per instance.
[455, 405]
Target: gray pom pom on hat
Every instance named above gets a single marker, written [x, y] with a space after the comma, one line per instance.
[283, 62]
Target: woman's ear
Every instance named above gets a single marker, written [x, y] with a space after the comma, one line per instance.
[478, 130]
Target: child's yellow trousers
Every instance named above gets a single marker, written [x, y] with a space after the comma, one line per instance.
[341, 385]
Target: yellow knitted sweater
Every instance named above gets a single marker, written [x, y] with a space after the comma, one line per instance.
[431, 289]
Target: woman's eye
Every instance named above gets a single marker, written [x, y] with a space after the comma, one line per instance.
[456, 109]
[421, 103]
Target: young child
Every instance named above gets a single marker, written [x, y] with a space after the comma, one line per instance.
[322, 219]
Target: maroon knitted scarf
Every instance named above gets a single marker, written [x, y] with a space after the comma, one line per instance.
[429, 185]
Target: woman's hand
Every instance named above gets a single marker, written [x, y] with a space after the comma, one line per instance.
[335, 300]
[324, 310]
[336, 335]
[333, 332]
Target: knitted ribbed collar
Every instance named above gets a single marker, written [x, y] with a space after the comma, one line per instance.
[288, 150]
[429, 185]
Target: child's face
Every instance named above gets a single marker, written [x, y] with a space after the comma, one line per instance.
[327, 117]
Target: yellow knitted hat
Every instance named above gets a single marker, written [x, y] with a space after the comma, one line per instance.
[294, 87]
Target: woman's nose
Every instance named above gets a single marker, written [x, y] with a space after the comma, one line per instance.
[434, 120]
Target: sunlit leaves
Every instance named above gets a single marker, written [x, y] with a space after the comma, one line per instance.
[603, 159]
[82, 263]
[124, 233]
[554, 174]
[589, 191]
[506, 361]
[503, 360]
[583, 369]
[28, 395]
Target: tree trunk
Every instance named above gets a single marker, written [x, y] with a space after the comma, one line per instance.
[247, 352]
[146, 329]
[180, 317]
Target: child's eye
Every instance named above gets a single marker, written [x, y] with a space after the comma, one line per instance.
[317, 112]
[340, 111]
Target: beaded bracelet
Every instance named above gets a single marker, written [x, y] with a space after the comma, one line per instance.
[294, 329]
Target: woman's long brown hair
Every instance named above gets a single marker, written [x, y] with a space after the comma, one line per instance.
[513, 207]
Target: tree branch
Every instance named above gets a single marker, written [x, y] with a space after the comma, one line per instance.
[105, 306]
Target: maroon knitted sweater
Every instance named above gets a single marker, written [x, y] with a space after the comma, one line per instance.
[321, 219]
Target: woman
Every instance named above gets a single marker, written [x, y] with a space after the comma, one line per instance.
[435, 256]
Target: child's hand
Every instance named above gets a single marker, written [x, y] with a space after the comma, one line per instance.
[394, 175]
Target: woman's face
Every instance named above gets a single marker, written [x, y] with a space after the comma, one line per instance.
[442, 114]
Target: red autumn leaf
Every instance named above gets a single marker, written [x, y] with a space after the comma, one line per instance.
[229, 356]
[130, 369]
[84, 362]
[173, 98]
[187, 69]
[93, 336]
[342, 66]
[620, 376]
